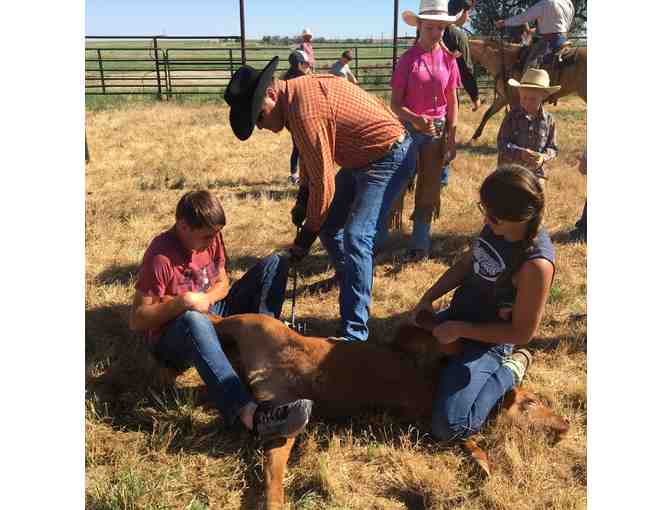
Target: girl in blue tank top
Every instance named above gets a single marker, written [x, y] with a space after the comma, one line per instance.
[502, 285]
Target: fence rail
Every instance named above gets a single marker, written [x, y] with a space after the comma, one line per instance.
[170, 66]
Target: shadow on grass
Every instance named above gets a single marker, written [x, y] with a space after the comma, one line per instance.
[118, 274]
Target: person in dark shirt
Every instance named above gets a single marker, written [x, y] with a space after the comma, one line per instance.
[501, 287]
[298, 66]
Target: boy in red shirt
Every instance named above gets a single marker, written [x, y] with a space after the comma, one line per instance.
[187, 263]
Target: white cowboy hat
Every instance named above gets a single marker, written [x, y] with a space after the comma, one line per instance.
[535, 79]
[430, 10]
[306, 31]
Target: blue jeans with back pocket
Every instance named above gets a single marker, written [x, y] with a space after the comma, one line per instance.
[348, 234]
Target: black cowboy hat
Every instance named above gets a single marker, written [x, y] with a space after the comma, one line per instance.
[245, 94]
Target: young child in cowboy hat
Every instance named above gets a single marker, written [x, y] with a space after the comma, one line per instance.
[527, 135]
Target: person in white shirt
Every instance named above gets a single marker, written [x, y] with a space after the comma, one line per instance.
[342, 69]
[554, 19]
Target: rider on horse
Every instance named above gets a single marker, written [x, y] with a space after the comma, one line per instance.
[554, 18]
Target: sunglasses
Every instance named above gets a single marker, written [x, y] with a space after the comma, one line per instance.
[487, 215]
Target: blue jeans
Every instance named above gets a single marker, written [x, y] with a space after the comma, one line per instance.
[191, 339]
[348, 233]
[470, 386]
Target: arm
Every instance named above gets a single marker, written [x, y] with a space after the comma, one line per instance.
[405, 115]
[398, 84]
[451, 108]
[317, 163]
[149, 312]
[450, 280]
[351, 76]
[451, 127]
[528, 16]
[534, 284]
[220, 289]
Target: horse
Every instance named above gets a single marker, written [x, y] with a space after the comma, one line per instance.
[500, 58]
[346, 378]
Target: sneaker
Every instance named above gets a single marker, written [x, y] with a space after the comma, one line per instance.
[285, 420]
[293, 179]
[519, 363]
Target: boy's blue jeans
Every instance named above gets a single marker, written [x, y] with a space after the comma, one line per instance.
[362, 196]
[191, 339]
[470, 386]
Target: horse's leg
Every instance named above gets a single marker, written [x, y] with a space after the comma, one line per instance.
[276, 455]
[497, 105]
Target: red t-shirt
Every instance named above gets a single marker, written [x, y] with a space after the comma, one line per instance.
[170, 269]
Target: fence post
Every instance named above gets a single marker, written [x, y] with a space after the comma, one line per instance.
[166, 69]
[156, 65]
[100, 68]
[356, 63]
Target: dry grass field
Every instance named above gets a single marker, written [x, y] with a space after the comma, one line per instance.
[152, 448]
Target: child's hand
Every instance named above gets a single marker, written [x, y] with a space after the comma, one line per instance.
[198, 301]
[424, 125]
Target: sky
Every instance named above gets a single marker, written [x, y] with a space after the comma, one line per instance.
[343, 18]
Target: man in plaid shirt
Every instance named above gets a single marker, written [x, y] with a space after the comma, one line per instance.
[332, 122]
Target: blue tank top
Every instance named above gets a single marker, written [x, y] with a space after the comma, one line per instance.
[478, 298]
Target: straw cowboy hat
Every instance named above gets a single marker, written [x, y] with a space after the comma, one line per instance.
[245, 94]
[534, 79]
[306, 31]
[430, 10]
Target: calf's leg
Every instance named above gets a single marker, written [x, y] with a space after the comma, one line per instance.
[276, 454]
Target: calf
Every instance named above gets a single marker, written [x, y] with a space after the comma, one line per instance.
[344, 378]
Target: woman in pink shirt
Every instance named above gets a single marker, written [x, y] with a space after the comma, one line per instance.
[424, 97]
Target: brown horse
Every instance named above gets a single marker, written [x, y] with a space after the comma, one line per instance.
[500, 59]
[345, 378]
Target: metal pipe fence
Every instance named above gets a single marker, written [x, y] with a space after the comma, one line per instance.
[170, 66]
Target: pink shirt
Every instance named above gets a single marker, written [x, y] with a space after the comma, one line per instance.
[308, 48]
[424, 76]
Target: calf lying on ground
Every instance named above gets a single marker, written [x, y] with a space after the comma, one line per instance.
[344, 378]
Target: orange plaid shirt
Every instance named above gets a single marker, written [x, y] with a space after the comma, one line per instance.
[333, 122]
